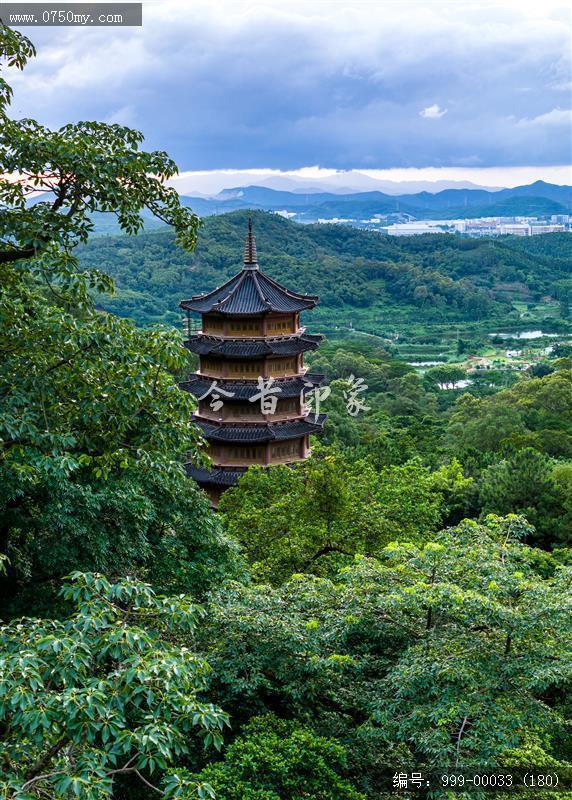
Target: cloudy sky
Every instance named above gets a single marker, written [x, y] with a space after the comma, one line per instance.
[456, 88]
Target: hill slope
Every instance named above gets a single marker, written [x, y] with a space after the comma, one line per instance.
[359, 275]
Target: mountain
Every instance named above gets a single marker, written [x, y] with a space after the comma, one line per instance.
[372, 281]
[536, 199]
[311, 180]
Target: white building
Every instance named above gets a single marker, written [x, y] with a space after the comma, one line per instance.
[536, 229]
[515, 229]
[416, 228]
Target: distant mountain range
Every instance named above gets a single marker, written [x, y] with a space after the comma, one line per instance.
[536, 199]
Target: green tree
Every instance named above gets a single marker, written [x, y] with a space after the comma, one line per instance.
[106, 693]
[444, 375]
[536, 410]
[274, 759]
[317, 516]
[93, 428]
[524, 483]
[455, 652]
[475, 687]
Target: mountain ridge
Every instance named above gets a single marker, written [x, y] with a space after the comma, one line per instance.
[538, 198]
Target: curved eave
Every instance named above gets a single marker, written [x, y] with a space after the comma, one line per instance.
[260, 434]
[198, 385]
[250, 292]
[213, 477]
[251, 348]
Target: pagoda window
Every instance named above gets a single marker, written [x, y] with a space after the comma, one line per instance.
[289, 405]
[211, 365]
[285, 449]
[246, 409]
[213, 324]
[282, 365]
[281, 325]
[245, 327]
[251, 369]
[245, 453]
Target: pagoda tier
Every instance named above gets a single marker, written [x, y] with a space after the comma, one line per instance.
[250, 348]
[254, 434]
[251, 384]
[198, 385]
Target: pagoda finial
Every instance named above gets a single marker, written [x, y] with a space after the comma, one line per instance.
[250, 259]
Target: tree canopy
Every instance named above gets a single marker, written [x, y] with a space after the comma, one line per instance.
[400, 599]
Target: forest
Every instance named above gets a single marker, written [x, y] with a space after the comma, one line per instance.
[401, 600]
[360, 275]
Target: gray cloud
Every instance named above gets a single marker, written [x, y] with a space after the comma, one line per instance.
[343, 86]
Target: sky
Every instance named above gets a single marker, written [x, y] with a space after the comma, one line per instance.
[463, 90]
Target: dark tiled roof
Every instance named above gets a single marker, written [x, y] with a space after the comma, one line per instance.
[250, 292]
[229, 348]
[218, 477]
[277, 431]
[198, 385]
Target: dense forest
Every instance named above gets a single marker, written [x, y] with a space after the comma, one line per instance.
[358, 274]
[401, 600]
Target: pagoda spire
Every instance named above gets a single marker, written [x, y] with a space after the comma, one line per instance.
[250, 258]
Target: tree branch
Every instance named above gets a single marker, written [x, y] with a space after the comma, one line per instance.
[8, 256]
[459, 737]
[323, 552]
[46, 758]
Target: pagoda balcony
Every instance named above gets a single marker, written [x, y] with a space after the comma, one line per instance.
[253, 415]
[259, 347]
[295, 386]
[257, 434]
[277, 460]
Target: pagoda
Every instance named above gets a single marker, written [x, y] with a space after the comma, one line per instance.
[251, 384]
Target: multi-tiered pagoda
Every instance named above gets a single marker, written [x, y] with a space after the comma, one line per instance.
[251, 383]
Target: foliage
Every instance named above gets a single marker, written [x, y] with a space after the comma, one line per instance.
[358, 274]
[93, 427]
[452, 653]
[106, 693]
[535, 412]
[274, 759]
[319, 514]
[377, 639]
[524, 483]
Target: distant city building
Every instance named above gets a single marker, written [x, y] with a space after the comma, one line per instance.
[401, 224]
[537, 229]
[416, 228]
[515, 229]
